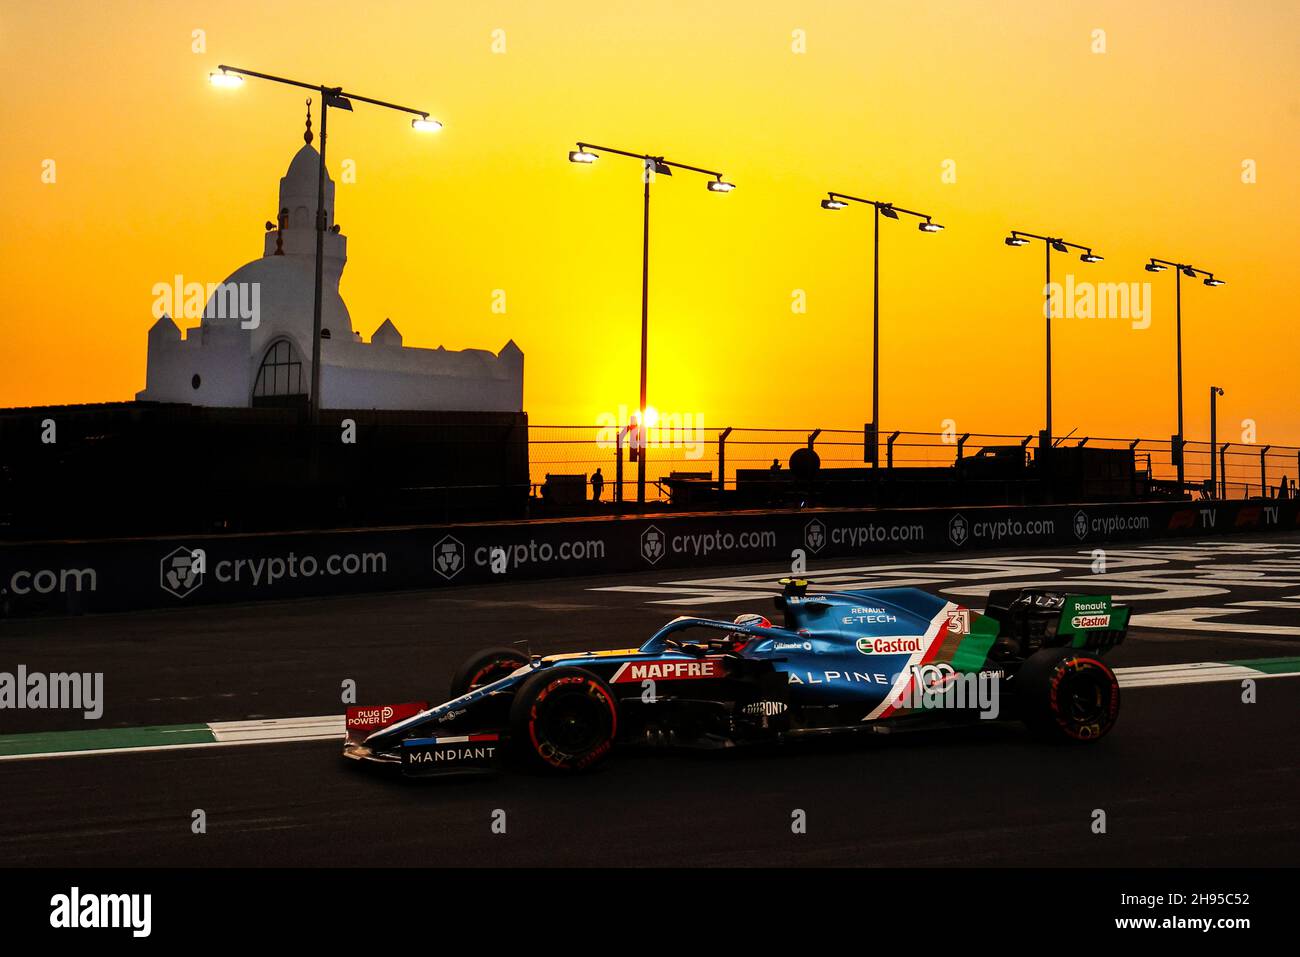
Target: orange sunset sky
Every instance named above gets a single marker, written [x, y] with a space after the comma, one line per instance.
[1138, 151]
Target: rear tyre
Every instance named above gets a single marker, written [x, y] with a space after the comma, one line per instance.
[485, 667]
[1067, 696]
[563, 720]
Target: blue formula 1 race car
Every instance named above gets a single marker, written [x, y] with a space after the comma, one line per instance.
[840, 663]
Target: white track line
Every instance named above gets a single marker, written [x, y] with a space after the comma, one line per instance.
[1189, 674]
[277, 729]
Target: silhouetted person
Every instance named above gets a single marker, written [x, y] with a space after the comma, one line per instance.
[776, 465]
[597, 485]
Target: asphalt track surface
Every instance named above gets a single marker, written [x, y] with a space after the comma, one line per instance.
[1191, 775]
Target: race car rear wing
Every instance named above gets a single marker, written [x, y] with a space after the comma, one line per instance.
[1035, 619]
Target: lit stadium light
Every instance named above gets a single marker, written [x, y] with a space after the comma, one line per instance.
[330, 97]
[925, 224]
[652, 166]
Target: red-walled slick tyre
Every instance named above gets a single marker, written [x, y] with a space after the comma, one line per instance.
[1067, 696]
[563, 719]
[485, 667]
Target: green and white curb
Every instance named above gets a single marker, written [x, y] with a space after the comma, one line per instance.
[224, 734]
[1203, 671]
[216, 734]
[46, 743]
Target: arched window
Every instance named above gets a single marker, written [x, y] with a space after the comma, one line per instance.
[280, 380]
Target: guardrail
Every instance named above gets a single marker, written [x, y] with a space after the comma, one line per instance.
[1240, 470]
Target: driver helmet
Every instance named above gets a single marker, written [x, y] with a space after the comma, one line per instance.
[739, 639]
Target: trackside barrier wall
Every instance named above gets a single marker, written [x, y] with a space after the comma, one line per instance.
[120, 574]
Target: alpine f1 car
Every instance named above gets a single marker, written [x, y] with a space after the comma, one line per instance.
[840, 662]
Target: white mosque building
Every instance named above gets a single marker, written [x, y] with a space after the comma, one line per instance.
[223, 363]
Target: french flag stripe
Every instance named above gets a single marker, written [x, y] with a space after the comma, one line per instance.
[454, 739]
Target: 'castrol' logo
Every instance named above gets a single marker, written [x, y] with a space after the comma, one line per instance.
[1090, 621]
[889, 646]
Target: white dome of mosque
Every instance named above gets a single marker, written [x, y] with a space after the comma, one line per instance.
[286, 294]
[285, 274]
[230, 362]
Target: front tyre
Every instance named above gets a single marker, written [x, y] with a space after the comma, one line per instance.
[1067, 696]
[563, 719]
[485, 667]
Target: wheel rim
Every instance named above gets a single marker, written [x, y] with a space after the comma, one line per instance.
[574, 722]
[1083, 700]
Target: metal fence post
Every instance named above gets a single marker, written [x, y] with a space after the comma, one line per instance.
[722, 460]
[618, 465]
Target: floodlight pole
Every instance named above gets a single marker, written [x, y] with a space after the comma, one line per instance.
[650, 165]
[875, 339]
[1179, 270]
[1215, 392]
[836, 201]
[1049, 243]
[642, 425]
[329, 96]
[318, 287]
